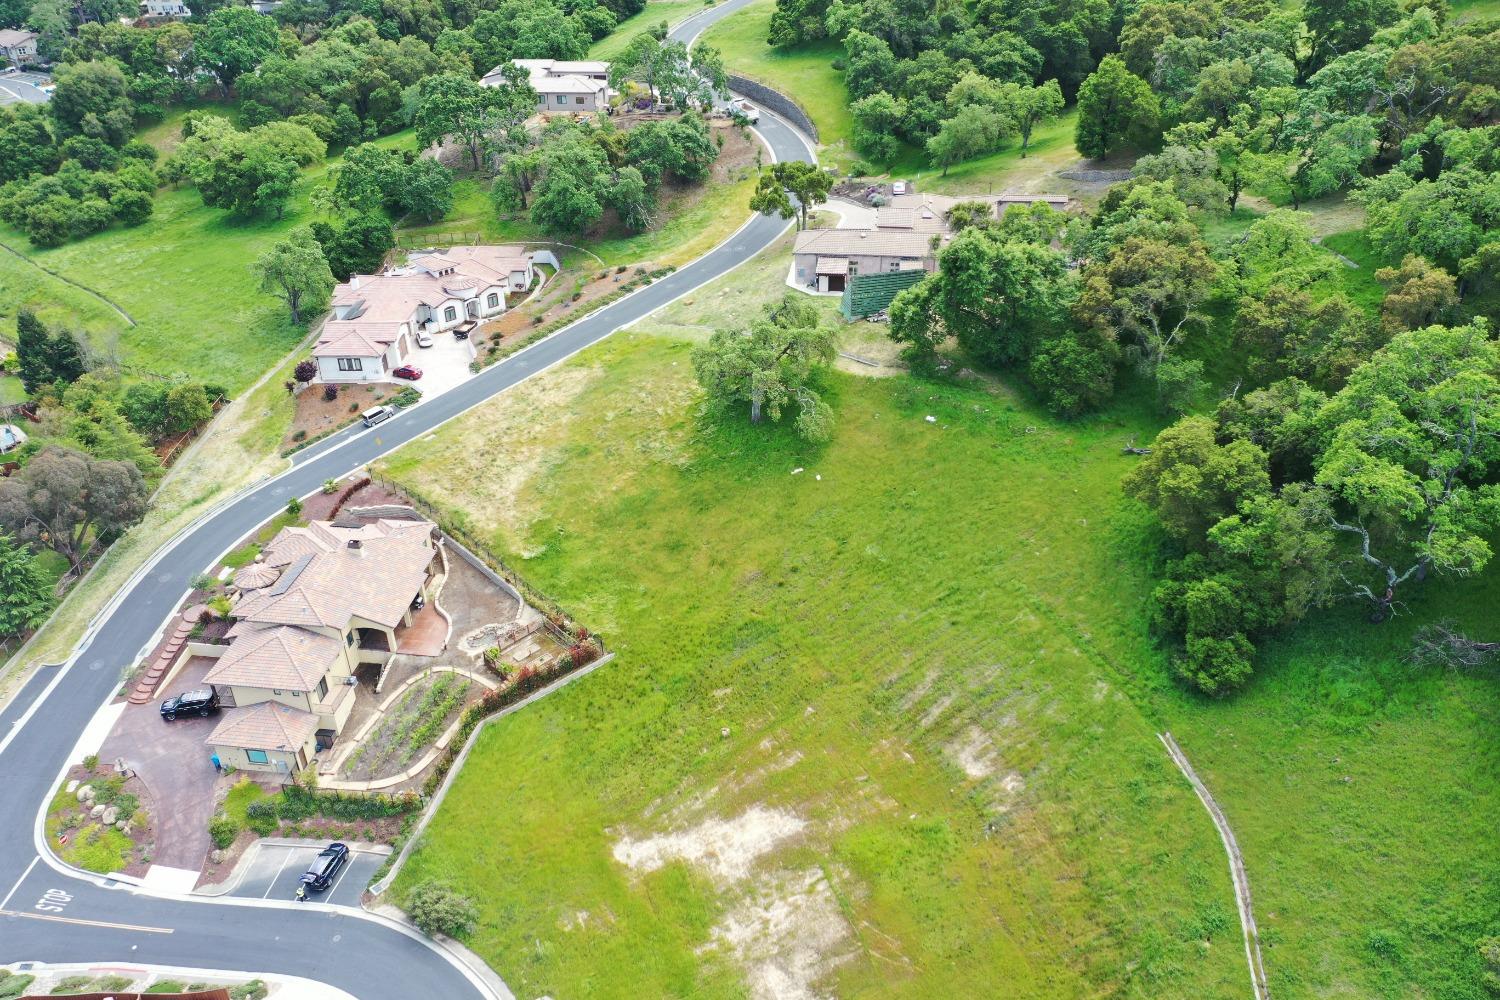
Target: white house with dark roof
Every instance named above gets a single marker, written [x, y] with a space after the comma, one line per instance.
[335, 596]
[376, 316]
[562, 86]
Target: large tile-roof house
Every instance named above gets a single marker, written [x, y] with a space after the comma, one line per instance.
[562, 86]
[340, 595]
[376, 316]
[17, 46]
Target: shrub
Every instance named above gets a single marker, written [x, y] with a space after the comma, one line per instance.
[300, 436]
[330, 486]
[306, 370]
[166, 986]
[71, 984]
[253, 990]
[408, 396]
[91, 761]
[294, 507]
[13, 985]
[331, 391]
[220, 605]
[262, 816]
[222, 830]
[437, 908]
[204, 581]
[110, 984]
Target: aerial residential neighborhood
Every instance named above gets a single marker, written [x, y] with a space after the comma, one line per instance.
[749, 500]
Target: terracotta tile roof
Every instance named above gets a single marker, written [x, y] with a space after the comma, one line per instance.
[354, 338]
[833, 265]
[376, 581]
[267, 726]
[278, 658]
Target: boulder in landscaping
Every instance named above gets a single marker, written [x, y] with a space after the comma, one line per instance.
[97, 811]
[85, 793]
[110, 816]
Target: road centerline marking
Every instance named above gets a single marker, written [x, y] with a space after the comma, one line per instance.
[87, 923]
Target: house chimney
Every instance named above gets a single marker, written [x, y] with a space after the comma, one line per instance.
[353, 281]
[356, 548]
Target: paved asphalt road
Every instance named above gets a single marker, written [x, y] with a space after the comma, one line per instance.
[46, 915]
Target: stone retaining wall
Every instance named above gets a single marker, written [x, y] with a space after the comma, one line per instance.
[776, 101]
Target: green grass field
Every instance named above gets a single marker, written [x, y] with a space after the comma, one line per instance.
[656, 11]
[929, 647]
[804, 72]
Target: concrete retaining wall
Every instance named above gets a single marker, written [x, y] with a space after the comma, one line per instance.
[776, 101]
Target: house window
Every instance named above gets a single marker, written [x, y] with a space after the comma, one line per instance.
[323, 689]
[349, 639]
[450, 314]
[257, 757]
[895, 265]
[350, 364]
[562, 98]
[492, 300]
[277, 692]
[577, 100]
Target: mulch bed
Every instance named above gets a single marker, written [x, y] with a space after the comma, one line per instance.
[316, 415]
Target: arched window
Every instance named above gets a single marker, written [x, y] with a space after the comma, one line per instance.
[493, 300]
[450, 314]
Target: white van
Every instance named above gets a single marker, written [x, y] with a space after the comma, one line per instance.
[377, 414]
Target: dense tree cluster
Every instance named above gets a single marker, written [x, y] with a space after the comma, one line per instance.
[569, 174]
[251, 172]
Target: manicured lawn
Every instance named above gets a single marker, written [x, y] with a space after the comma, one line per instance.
[239, 799]
[656, 11]
[11, 390]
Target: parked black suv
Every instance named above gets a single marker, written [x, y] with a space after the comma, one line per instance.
[201, 701]
[325, 866]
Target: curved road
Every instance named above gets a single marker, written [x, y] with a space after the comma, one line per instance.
[51, 914]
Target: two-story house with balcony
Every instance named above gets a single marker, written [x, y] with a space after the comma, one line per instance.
[342, 594]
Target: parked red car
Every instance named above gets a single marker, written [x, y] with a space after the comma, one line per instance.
[411, 372]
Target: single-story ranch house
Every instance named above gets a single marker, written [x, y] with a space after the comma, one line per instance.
[909, 231]
[562, 86]
[322, 600]
[377, 316]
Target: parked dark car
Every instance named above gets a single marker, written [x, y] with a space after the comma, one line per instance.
[325, 867]
[199, 701]
[409, 372]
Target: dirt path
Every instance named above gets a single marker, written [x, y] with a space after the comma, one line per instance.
[1236, 868]
[66, 280]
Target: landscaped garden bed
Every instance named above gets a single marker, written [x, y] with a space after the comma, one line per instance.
[317, 415]
[102, 824]
[414, 723]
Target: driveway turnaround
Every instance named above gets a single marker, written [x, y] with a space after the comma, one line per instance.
[53, 915]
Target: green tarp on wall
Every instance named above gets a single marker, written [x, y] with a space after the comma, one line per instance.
[869, 293]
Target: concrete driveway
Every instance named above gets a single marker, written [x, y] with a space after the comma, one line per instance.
[445, 365]
[273, 868]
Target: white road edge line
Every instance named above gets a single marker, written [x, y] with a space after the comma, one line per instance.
[44, 849]
[6, 901]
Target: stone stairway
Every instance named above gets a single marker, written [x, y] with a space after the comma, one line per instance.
[145, 688]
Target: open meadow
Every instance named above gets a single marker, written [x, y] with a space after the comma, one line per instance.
[887, 725]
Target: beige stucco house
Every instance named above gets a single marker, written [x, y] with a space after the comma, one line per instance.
[341, 597]
[823, 259]
[375, 317]
[17, 46]
[562, 86]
